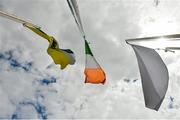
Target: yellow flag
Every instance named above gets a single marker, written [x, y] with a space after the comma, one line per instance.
[59, 56]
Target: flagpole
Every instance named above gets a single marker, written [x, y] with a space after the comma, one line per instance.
[15, 19]
[154, 38]
[172, 48]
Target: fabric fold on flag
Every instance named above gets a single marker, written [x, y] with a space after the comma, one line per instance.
[93, 72]
[154, 76]
[59, 56]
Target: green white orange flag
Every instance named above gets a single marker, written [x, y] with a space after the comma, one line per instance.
[93, 72]
[59, 56]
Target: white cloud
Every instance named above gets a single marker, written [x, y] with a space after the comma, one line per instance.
[105, 23]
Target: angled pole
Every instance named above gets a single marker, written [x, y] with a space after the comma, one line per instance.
[15, 18]
[172, 48]
[169, 49]
[154, 38]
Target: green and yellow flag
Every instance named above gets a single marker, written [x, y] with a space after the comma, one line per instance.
[59, 56]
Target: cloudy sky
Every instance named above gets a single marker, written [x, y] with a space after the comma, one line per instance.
[32, 87]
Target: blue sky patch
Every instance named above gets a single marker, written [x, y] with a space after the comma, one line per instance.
[47, 81]
[14, 63]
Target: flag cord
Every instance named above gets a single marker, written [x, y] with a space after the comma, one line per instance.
[78, 22]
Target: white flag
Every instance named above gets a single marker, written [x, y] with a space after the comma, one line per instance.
[154, 76]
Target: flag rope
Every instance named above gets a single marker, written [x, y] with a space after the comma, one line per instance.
[78, 21]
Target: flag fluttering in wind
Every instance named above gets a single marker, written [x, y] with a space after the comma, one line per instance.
[153, 71]
[59, 56]
[154, 75]
[93, 71]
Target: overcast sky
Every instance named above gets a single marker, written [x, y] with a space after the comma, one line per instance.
[32, 87]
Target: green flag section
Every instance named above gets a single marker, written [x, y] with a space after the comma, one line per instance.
[93, 72]
[87, 49]
[59, 56]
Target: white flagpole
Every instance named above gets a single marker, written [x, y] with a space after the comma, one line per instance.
[15, 19]
[154, 38]
[172, 48]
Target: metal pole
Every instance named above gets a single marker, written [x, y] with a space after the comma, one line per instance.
[172, 48]
[154, 38]
[15, 19]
